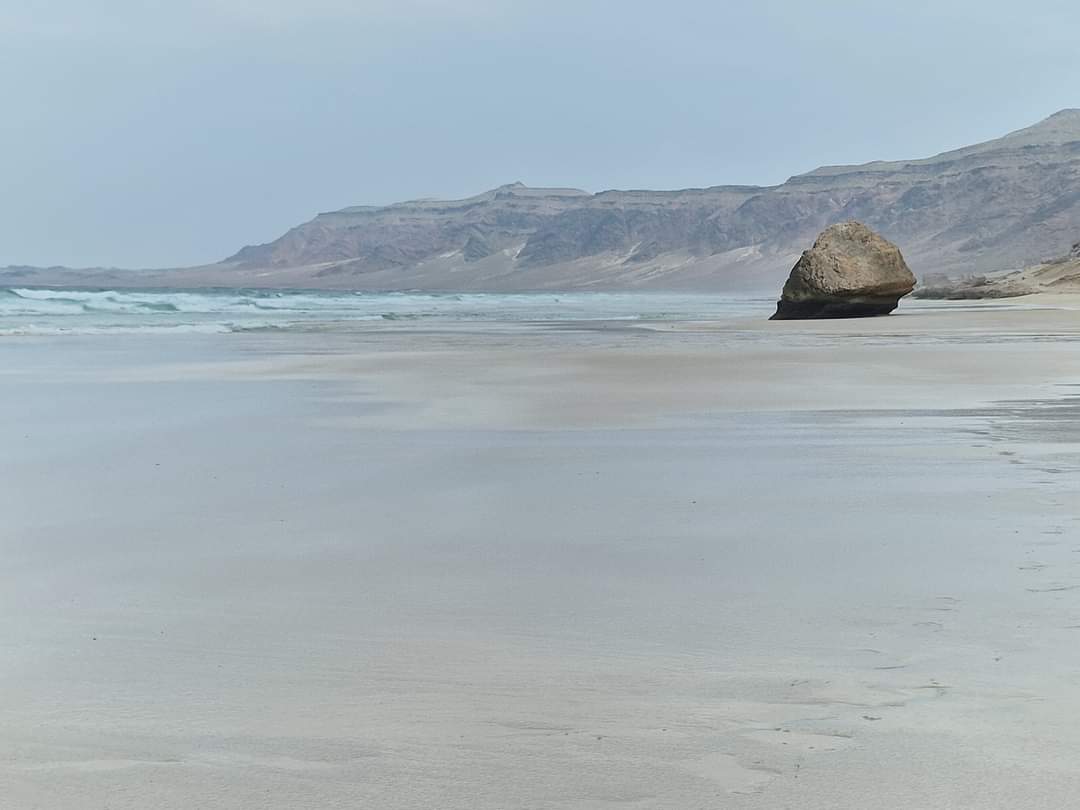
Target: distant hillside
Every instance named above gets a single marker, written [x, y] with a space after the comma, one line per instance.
[1060, 275]
[1003, 204]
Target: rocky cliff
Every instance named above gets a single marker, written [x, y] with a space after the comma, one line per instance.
[1003, 204]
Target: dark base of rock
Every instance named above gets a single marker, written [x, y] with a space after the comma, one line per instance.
[848, 308]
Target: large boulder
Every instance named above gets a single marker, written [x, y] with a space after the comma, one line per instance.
[850, 272]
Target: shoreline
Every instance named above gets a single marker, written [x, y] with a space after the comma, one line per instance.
[735, 562]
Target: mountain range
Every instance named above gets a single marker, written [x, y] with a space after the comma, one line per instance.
[994, 206]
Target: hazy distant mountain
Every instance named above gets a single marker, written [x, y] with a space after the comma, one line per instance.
[997, 205]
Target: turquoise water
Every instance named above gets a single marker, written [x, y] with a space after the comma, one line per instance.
[35, 311]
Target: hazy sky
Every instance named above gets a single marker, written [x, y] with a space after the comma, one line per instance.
[163, 132]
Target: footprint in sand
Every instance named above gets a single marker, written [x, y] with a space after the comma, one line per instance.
[730, 773]
[823, 741]
[940, 689]
[937, 627]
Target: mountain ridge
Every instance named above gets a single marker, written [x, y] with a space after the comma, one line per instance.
[996, 205]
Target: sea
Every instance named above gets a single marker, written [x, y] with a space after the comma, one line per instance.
[41, 311]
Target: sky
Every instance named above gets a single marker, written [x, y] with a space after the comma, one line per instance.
[153, 133]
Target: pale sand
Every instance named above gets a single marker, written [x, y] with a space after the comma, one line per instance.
[738, 565]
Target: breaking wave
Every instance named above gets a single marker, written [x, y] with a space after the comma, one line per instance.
[37, 311]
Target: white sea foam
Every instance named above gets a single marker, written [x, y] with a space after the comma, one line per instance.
[30, 311]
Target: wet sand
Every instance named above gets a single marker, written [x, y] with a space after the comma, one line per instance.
[737, 564]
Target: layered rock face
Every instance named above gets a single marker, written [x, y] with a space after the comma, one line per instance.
[850, 272]
[983, 209]
[995, 206]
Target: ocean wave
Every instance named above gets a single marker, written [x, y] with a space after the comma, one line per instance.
[41, 330]
[27, 310]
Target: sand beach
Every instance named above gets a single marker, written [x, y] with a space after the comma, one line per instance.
[653, 564]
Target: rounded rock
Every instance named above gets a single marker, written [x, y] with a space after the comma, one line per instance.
[850, 272]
